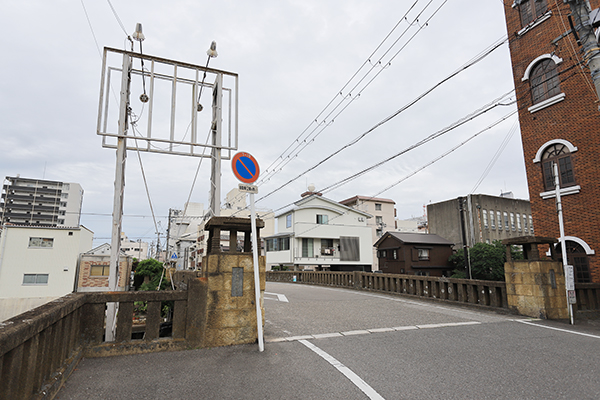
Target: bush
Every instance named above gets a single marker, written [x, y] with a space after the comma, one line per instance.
[487, 261]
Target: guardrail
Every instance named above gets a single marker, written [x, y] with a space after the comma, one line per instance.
[40, 348]
[466, 291]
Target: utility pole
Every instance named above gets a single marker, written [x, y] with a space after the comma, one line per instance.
[115, 245]
[215, 175]
[583, 27]
[461, 210]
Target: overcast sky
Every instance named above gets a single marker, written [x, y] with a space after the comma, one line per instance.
[293, 58]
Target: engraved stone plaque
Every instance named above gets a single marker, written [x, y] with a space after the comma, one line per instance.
[237, 282]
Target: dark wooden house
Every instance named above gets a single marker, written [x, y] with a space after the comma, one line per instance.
[414, 254]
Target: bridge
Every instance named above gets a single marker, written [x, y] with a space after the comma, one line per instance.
[335, 343]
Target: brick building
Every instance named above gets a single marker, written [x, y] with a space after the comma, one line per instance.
[559, 118]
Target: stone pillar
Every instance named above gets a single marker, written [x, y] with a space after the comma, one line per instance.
[230, 315]
[535, 287]
[230, 309]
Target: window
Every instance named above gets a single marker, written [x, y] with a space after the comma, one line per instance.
[512, 222]
[530, 10]
[349, 248]
[322, 219]
[492, 219]
[35, 279]
[499, 220]
[41, 242]
[271, 244]
[506, 226]
[379, 220]
[99, 270]
[288, 221]
[577, 257]
[382, 253]
[394, 254]
[423, 254]
[379, 232]
[307, 248]
[485, 219]
[531, 224]
[524, 223]
[519, 222]
[560, 154]
[544, 81]
[283, 243]
[377, 206]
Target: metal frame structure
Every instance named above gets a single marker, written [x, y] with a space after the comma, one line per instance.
[150, 142]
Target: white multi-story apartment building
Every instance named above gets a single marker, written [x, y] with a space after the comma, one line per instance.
[40, 202]
[38, 264]
[384, 217]
[133, 248]
[321, 234]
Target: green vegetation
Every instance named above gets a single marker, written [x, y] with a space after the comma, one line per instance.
[153, 270]
[487, 261]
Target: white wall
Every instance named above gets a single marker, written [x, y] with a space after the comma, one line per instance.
[59, 261]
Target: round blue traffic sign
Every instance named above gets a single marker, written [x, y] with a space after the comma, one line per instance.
[245, 167]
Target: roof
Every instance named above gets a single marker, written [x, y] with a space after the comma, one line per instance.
[367, 198]
[415, 238]
[298, 204]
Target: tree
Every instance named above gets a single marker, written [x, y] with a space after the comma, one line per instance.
[153, 269]
[487, 261]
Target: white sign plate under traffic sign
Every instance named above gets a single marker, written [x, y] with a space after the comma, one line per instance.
[572, 297]
[569, 277]
[248, 188]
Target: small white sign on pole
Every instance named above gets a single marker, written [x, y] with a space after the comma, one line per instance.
[569, 277]
[248, 188]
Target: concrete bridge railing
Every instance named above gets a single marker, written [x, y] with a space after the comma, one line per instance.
[466, 291]
[40, 348]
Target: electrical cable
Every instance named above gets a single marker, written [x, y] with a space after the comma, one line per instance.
[446, 153]
[302, 144]
[496, 155]
[118, 19]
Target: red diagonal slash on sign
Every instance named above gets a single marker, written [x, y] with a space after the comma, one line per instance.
[249, 163]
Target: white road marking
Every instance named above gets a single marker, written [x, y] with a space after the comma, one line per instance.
[557, 329]
[280, 297]
[369, 331]
[347, 372]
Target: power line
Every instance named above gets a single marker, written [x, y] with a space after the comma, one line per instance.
[300, 145]
[446, 153]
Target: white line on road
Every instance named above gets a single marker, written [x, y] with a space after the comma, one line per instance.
[280, 297]
[370, 331]
[348, 373]
[557, 329]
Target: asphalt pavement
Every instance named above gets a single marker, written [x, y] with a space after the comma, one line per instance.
[326, 343]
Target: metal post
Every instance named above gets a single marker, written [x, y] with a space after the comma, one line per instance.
[115, 246]
[461, 210]
[590, 48]
[215, 176]
[261, 344]
[563, 244]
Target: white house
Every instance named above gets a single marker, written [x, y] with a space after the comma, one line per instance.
[321, 234]
[38, 264]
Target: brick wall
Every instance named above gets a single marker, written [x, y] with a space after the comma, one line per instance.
[575, 119]
[88, 281]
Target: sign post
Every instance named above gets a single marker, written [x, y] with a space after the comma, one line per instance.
[246, 169]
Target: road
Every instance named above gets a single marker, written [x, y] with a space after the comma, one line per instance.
[326, 343]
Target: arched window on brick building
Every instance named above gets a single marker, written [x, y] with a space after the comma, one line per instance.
[577, 257]
[530, 10]
[544, 81]
[557, 153]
